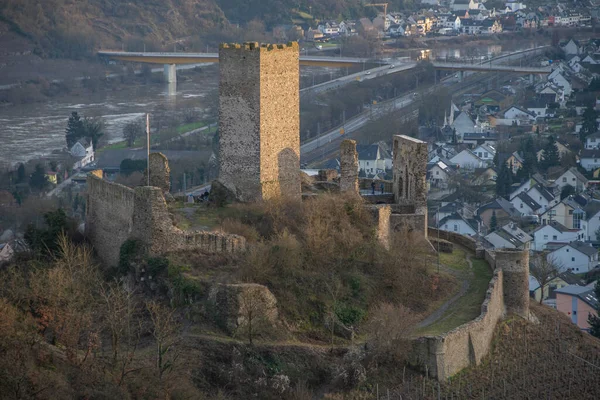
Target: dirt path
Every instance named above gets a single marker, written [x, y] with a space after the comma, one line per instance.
[464, 278]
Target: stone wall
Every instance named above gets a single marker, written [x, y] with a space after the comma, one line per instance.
[349, 167]
[365, 184]
[447, 354]
[160, 173]
[515, 265]
[259, 120]
[152, 225]
[116, 213]
[408, 223]
[381, 215]
[508, 292]
[109, 214]
[457, 238]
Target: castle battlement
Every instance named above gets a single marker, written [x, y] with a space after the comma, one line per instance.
[252, 46]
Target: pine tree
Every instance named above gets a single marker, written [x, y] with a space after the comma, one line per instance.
[589, 124]
[550, 155]
[75, 129]
[21, 173]
[493, 222]
[454, 137]
[38, 179]
[504, 181]
[594, 320]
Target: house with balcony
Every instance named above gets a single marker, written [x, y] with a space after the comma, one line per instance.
[554, 235]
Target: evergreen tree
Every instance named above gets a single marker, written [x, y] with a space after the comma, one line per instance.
[38, 180]
[454, 137]
[21, 173]
[504, 181]
[566, 191]
[530, 163]
[550, 155]
[590, 124]
[493, 222]
[594, 320]
[75, 129]
[94, 129]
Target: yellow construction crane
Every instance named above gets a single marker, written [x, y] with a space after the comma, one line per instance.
[384, 5]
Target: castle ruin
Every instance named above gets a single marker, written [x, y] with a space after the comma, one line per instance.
[259, 120]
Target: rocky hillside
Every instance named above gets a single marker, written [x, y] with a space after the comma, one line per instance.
[71, 29]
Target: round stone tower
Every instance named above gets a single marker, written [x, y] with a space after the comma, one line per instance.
[514, 264]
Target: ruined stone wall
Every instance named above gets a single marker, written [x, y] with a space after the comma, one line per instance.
[259, 120]
[515, 265]
[381, 215]
[153, 226]
[408, 222]
[160, 173]
[109, 214]
[116, 213]
[349, 167]
[365, 184]
[410, 172]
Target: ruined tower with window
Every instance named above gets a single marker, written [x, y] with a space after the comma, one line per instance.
[259, 120]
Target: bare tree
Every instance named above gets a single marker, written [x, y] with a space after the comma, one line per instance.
[121, 320]
[165, 330]
[334, 288]
[543, 270]
[388, 329]
[132, 131]
[253, 308]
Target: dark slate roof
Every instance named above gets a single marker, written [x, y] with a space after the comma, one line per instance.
[456, 217]
[578, 174]
[508, 237]
[544, 192]
[367, 151]
[583, 248]
[590, 153]
[570, 278]
[592, 208]
[497, 204]
[480, 135]
[525, 198]
[451, 207]
[536, 103]
[558, 226]
[583, 292]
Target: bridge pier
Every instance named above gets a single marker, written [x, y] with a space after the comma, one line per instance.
[171, 73]
[532, 79]
[461, 76]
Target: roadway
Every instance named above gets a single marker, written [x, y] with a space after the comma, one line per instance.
[328, 143]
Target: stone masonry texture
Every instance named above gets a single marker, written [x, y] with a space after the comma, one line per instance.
[349, 167]
[466, 345]
[109, 214]
[515, 266]
[160, 174]
[259, 120]
[116, 213]
[410, 179]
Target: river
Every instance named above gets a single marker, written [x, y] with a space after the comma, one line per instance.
[33, 130]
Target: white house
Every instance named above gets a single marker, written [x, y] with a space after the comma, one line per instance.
[463, 5]
[438, 174]
[572, 47]
[467, 160]
[510, 236]
[576, 256]
[456, 223]
[525, 204]
[562, 82]
[463, 123]
[83, 151]
[592, 141]
[370, 159]
[592, 215]
[517, 113]
[543, 197]
[572, 177]
[590, 159]
[553, 235]
[485, 152]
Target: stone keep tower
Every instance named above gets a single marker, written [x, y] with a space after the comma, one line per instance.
[259, 120]
[410, 177]
[514, 264]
